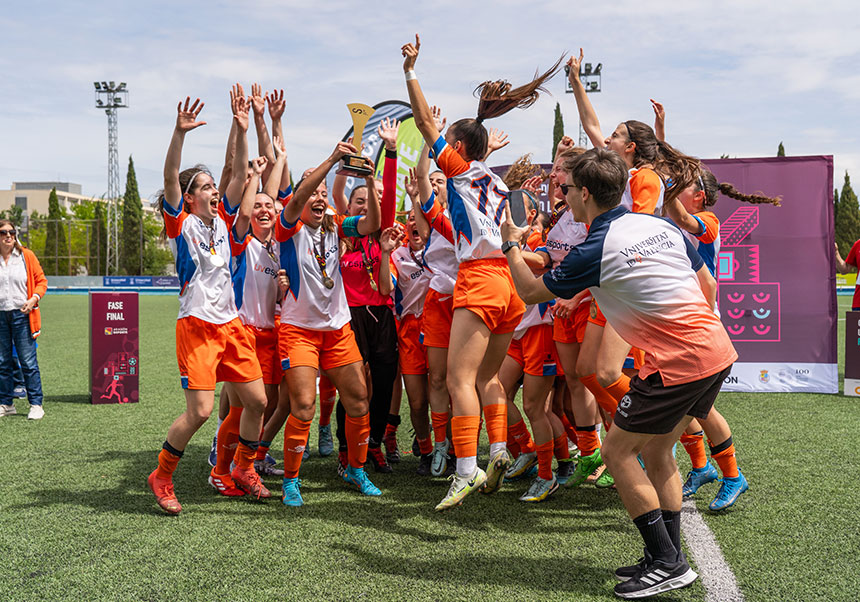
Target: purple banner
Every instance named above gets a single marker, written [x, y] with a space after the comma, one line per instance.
[114, 347]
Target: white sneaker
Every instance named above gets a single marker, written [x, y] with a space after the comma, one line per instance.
[7, 410]
[36, 413]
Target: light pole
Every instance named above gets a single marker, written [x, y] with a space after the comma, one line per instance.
[110, 97]
[591, 81]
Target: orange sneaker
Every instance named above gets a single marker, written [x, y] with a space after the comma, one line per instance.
[162, 489]
[249, 481]
[224, 484]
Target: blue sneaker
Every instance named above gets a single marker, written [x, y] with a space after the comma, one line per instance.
[356, 477]
[698, 477]
[326, 444]
[213, 452]
[19, 392]
[292, 496]
[730, 491]
[270, 460]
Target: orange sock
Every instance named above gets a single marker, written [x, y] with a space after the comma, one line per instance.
[440, 425]
[167, 462]
[464, 434]
[523, 437]
[513, 445]
[544, 454]
[228, 437]
[618, 390]
[245, 452]
[328, 398]
[559, 448]
[357, 438]
[724, 454]
[390, 429]
[425, 446]
[604, 399]
[295, 437]
[497, 422]
[263, 450]
[569, 429]
[694, 445]
[587, 440]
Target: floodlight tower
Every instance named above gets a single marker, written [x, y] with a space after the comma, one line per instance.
[591, 81]
[110, 97]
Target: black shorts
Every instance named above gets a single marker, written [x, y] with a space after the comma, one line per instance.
[375, 333]
[652, 408]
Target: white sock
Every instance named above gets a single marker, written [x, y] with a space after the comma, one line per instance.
[497, 447]
[466, 467]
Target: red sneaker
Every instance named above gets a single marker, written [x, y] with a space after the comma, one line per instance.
[162, 489]
[224, 484]
[342, 461]
[249, 481]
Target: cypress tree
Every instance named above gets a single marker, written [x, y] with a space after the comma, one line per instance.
[780, 152]
[848, 223]
[557, 130]
[131, 251]
[56, 247]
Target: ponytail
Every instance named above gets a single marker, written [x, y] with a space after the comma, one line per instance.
[756, 199]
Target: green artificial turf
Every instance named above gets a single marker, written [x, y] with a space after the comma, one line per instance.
[77, 521]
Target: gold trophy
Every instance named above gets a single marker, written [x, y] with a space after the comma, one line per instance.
[356, 165]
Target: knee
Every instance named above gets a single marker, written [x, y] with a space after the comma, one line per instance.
[437, 380]
[303, 409]
[198, 416]
[584, 366]
[606, 375]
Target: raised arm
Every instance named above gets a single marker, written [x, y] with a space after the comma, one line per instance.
[277, 105]
[240, 108]
[372, 220]
[246, 208]
[411, 185]
[388, 132]
[338, 193]
[293, 209]
[277, 170]
[659, 120]
[186, 120]
[264, 143]
[587, 115]
[420, 109]
[227, 170]
[389, 240]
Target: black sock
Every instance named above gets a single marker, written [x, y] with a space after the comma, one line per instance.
[394, 419]
[655, 535]
[170, 449]
[249, 444]
[672, 520]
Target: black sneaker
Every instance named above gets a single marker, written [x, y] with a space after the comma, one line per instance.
[625, 573]
[377, 458]
[657, 577]
[416, 449]
[452, 465]
[424, 461]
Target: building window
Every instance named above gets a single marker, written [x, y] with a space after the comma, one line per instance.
[21, 201]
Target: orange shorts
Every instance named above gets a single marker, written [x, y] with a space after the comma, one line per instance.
[572, 328]
[209, 353]
[321, 349]
[485, 287]
[436, 319]
[635, 358]
[535, 351]
[413, 355]
[265, 341]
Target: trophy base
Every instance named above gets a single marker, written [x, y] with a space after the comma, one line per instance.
[355, 166]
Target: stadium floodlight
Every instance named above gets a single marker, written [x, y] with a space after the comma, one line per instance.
[121, 86]
[587, 69]
[104, 85]
[97, 85]
[598, 68]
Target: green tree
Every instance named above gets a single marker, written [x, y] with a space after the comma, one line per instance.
[131, 251]
[98, 241]
[557, 130]
[14, 214]
[848, 222]
[56, 248]
[780, 152]
[156, 255]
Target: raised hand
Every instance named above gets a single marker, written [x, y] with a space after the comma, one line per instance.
[659, 111]
[343, 148]
[410, 184]
[573, 71]
[566, 143]
[388, 132]
[186, 118]
[259, 165]
[440, 121]
[391, 238]
[532, 184]
[497, 139]
[410, 52]
[277, 104]
[258, 103]
[240, 106]
[279, 146]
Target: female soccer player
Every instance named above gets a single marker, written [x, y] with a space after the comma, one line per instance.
[315, 332]
[486, 307]
[211, 343]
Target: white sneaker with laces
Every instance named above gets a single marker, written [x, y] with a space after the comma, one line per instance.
[7, 410]
[36, 413]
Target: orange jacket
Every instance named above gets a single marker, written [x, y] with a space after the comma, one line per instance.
[36, 284]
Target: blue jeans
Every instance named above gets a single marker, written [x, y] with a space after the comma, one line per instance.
[15, 328]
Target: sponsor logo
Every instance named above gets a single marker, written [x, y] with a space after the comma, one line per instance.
[731, 380]
[763, 377]
[625, 402]
[857, 390]
[108, 331]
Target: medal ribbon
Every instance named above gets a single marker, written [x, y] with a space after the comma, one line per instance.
[320, 255]
[368, 265]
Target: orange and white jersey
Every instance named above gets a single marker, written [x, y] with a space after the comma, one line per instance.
[538, 313]
[644, 191]
[204, 276]
[564, 235]
[476, 202]
[440, 258]
[411, 281]
[255, 279]
[308, 303]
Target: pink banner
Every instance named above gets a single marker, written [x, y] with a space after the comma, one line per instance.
[114, 347]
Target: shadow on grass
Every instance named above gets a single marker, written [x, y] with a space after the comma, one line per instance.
[84, 398]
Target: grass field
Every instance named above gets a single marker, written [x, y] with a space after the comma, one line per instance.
[77, 521]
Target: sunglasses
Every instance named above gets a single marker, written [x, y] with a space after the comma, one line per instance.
[566, 187]
[7, 233]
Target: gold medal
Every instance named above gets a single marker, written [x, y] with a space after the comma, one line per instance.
[328, 282]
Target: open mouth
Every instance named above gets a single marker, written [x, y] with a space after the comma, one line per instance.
[214, 204]
[264, 219]
[318, 211]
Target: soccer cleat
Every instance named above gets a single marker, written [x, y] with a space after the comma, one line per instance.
[223, 484]
[306, 454]
[249, 482]
[460, 488]
[377, 458]
[392, 453]
[291, 495]
[539, 490]
[213, 452]
[19, 392]
[424, 462]
[656, 577]
[35, 413]
[270, 460]
[439, 459]
[326, 444]
[521, 466]
[605, 480]
[730, 490]
[264, 469]
[356, 477]
[584, 468]
[162, 489]
[563, 471]
[698, 477]
[496, 470]
[416, 449]
[342, 461]
[572, 449]
[7, 409]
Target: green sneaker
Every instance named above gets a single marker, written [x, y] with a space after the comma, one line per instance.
[584, 468]
[496, 469]
[539, 490]
[604, 480]
[460, 488]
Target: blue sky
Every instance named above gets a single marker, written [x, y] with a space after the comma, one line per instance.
[736, 77]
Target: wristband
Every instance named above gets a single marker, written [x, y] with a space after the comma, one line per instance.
[410, 75]
[508, 245]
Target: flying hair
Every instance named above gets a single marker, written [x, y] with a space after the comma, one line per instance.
[495, 98]
[521, 170]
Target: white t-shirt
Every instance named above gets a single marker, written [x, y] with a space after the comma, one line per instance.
[412, 280]
[255, 279]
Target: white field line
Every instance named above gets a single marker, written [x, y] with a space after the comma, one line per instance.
[717, 577]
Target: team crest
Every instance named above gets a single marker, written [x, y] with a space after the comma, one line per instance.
[763, 377]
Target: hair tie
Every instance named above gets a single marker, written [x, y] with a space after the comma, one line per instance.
[479, 119]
